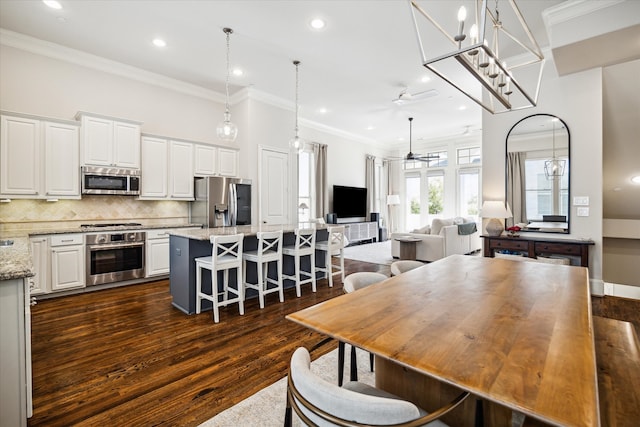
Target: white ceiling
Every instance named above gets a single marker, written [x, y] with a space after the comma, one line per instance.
[354, 67]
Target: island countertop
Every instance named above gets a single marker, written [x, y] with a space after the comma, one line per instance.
[247, 230]
[15, 260]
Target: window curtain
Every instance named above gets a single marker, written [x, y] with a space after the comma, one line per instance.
[370, 183]
[321, 205]
[516, 191]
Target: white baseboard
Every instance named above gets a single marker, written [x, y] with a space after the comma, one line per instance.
[624, 291]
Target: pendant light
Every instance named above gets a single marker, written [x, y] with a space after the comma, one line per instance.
[296, 144]
[554, 168]
[226, 130]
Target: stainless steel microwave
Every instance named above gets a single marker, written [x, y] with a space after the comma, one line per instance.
[113, 181]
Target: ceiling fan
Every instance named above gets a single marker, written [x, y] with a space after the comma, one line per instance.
[406, 96]
[411, 156]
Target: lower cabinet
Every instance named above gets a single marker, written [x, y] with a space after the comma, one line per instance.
[157, 253]
[40, 283]
[67, 262]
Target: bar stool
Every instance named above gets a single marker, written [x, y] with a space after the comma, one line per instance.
[305, 245]
[333, 246]
[226, 254]
[353, 282]
[269, 250]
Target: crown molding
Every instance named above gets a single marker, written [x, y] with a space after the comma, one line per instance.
[55, 51]
[571, 9]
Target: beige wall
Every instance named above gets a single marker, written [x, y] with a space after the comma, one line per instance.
[577, 99]
[620, 260]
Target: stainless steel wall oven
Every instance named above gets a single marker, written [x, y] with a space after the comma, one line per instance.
[114, 257]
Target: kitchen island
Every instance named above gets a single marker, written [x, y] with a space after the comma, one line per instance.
[187, 245]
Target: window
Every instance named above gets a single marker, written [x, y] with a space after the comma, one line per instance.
[306, 185]
[411, 165]
[439, 159]
[468, 191]
[412, 202]
[435, 194]
[467, 156]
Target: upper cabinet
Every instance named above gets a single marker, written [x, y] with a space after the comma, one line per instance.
[108, 141]
[227, 162]
[167, 169]
[39, 158]
[204, 160]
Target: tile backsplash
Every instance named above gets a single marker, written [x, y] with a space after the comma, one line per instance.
[30, 214]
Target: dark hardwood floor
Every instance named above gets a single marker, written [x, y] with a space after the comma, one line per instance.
[126, 357]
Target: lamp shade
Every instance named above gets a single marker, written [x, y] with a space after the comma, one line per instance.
[494, 209]
[393, 199]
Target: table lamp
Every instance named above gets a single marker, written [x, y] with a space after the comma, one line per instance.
[494, 210]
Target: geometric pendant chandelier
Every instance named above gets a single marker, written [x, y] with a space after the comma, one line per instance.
[489, 52]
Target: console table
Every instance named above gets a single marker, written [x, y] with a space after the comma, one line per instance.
[358, 231]
[534, 246]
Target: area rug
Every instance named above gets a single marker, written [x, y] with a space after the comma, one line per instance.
[377, 253]
[266, 407]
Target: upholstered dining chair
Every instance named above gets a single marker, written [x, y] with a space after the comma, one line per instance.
[352, 283]
[402, 266]
[319, 402]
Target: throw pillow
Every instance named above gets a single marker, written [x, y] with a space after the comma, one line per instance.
[437, 224]
[424, 230]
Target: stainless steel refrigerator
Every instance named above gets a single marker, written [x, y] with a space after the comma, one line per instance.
[221, 202]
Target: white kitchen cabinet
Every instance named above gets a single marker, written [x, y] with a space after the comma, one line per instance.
[61, 160]
[67, 262]
[155, 168]
[39, 157]
[180, 170]
[157, 253]
[40, 260]
[107, 141]
[227, 162]
[15, 357]
[20, 145]
[204, 160]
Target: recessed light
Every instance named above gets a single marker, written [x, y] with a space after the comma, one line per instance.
[636, 179]
[159, 43]
[370, 127]
[462, 107]
[53, 4]
[317, 23]
[425, 79]
[322, 110]
[401, 139]
[237, 72]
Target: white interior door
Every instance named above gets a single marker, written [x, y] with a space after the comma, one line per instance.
[274, 186]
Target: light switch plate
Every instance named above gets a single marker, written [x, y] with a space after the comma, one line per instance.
[583, 212]
[581, 201]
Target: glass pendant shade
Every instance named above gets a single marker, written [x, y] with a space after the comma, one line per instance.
[554, 168]
[296, 144]
[226, 130]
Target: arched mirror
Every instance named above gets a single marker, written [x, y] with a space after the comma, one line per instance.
[537, 174]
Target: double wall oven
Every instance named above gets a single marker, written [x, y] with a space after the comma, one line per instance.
[115, 256]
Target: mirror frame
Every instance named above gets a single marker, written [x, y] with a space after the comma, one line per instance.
[506, 155]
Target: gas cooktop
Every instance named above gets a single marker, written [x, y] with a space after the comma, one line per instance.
[118, 224]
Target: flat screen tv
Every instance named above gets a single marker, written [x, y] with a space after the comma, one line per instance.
[350, 202]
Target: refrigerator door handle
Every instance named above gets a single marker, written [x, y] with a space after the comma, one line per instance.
[233, 205]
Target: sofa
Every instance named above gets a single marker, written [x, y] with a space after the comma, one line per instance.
[444, 237]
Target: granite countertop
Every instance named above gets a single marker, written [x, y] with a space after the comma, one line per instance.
[111, 228]
[247, 230]
[15, 260]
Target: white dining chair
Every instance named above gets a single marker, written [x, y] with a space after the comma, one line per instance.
[226, 255]
[402, 266]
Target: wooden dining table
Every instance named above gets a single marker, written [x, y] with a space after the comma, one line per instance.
[517, 335]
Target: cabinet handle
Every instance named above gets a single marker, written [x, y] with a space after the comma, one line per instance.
[34, 301]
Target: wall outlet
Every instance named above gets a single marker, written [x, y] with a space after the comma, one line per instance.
[583, 212]
[581, 201]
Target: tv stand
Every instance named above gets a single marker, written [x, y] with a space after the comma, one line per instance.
[359, 231]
